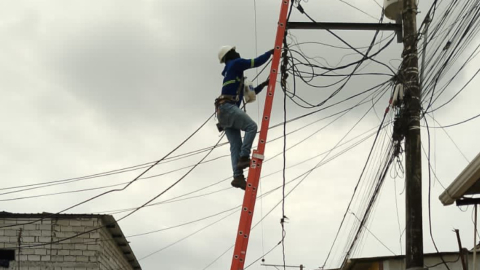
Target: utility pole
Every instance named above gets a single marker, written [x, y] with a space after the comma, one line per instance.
[413, 158]
[409, 77]
[461, 250]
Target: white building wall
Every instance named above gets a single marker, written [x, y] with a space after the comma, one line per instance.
[84, 252]
[110, 256]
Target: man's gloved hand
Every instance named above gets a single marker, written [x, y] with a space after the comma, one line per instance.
[265, 83]
[271, 51]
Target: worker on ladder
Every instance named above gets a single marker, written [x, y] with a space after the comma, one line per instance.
[231, 118]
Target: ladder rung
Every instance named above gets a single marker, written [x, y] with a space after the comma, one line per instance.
[258, 156]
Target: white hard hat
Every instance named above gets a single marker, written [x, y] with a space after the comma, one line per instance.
[223, 51]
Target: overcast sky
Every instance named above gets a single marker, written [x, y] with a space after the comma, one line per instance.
[94, 86]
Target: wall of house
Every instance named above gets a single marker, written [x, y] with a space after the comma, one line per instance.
[78, 253]
[434, 263]
[110, 255]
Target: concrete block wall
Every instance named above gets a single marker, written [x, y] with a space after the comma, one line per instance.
[84, 252]
[111, 256]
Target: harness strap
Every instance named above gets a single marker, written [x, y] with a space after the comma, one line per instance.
[226, 97]
[240, 88]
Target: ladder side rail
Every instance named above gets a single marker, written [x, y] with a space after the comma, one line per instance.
[244, 227]
[255, 184]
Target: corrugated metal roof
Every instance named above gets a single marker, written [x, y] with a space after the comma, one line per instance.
[466, 183]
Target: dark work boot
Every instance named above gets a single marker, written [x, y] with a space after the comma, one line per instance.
[239, 182]
[243, 162]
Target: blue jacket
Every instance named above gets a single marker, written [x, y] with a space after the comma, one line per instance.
[233, 73]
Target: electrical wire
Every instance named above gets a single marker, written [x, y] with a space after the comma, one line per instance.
[285, 119]
[272, 140]
[343, 82]
[358, 9]
[458, 123]
[300, 177]
[259, 222]
[258, 114]
[177, 157]
[354, 192]
[128, 184]
[366, 135]
[380, 241]
[138, 208]
[324, 161]
[430, 198]
[451, 140]
[465, 22]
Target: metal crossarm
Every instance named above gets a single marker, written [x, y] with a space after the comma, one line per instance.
[244, 227]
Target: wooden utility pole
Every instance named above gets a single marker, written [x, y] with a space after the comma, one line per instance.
[413, 159]
[460, 250]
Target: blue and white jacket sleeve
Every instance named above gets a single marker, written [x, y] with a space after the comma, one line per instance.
[244, 64]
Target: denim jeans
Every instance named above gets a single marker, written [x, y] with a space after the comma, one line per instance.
[233, 119]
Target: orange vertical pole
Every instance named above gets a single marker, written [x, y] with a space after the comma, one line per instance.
[244, 227]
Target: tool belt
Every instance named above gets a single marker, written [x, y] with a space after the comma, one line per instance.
[224, 99]
[232, 99]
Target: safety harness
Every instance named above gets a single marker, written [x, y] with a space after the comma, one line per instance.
[232, 99]
[229, 98]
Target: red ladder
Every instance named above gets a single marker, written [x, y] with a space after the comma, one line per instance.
[241, 243]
